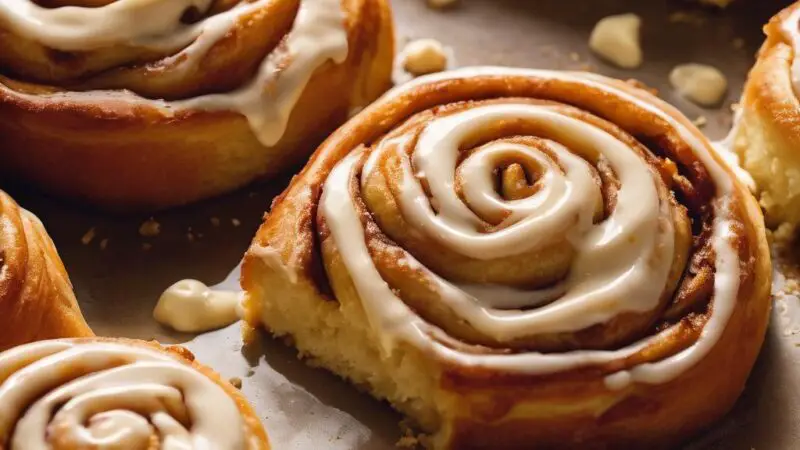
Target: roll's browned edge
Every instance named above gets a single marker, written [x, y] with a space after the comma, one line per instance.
[126, 155]
[642, 416]
[36, 298]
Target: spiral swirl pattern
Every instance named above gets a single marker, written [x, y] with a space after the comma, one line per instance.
[76, 394]
[528, 222]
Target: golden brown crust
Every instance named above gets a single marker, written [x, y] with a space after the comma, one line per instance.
[769, 129]
[36, 298]
[292, 266]
[125, 154]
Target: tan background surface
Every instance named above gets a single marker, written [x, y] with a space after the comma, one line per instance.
[304, 408]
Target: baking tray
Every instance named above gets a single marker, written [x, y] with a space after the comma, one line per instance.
[305, 408]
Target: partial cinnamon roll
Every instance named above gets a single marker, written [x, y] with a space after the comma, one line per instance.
[36, 298]
[136, 105]
[767, 134]
[518, 258]
[122, 394]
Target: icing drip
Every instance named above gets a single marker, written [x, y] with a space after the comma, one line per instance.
[190, 306]
[58, 394]
[622, 262]
[267, 101]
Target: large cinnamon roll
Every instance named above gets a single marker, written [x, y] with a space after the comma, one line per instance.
[36, 298]
[134, 104]
[119, 394]
[767, 133]
[521, 259]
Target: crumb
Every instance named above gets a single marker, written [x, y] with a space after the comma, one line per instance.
[424, 56]
[441, 4]
[687, 17]
[150, 228]
[103, 244]
[250, 372]
[215, 221]
[738, 43]
[88, 237]
[236, 222]
[734, 108]
[574, 56]
[199, 235]
[700, 121]
[236, 382]
[189, 236]
[617, 40]
[147, 246]
[700, 83]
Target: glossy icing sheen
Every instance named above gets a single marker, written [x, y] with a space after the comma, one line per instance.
[318, 35]
[622, 263]
[191, 306]
[59, 394]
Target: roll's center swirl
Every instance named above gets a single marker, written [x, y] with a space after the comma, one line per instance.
[533, 236]
[57, 395]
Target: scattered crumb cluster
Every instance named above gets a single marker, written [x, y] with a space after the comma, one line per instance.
[617, 39]
[700, 83]
[424, 56]
[150, 228]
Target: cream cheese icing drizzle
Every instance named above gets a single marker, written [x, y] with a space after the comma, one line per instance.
[611, 274]
[267, 101]
[108, 395]
[190, 306]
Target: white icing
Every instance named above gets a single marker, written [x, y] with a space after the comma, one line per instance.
[267, 101]
[727, 149]
[622, 264]
[192, 307]
[108, 395]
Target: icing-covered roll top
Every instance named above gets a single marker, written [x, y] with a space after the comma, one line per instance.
[253, 57]
[105, 394]
[564, 221]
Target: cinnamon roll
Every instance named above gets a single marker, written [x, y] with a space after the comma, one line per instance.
[133, 104]
[767, 132]
[118, 393]
[36, 298]
[518, 258]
